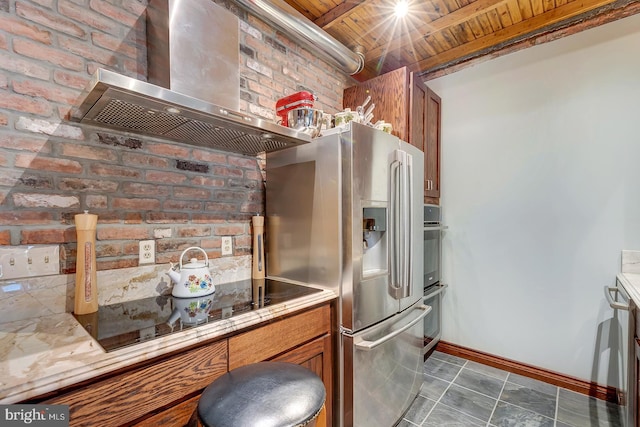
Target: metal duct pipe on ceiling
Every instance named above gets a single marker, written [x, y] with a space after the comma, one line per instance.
[293, 23]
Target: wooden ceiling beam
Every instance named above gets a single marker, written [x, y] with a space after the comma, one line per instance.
[457, 17]
[534, 24]
[333, 16]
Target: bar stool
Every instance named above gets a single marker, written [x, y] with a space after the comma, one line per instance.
[265, 394]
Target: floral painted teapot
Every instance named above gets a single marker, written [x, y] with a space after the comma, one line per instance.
[194, 278]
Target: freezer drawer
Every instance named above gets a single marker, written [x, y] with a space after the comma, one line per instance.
[383, 369]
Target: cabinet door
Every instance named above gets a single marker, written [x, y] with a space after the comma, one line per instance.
[425, 134]
[390, 94]
[316, 356]
[432, 146]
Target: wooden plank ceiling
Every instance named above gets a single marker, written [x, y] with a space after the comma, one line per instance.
[440, 33]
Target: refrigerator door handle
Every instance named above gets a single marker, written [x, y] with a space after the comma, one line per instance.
[408, 229]
[394, 193]
[365, 345]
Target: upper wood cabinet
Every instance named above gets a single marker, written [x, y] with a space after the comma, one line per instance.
[402, 99]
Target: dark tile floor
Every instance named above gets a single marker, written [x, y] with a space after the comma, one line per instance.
[459, 393]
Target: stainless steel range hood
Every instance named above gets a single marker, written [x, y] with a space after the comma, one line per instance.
[191, 73]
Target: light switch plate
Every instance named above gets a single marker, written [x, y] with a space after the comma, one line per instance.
[29, 261]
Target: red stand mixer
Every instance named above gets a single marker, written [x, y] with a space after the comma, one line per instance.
[302, 99]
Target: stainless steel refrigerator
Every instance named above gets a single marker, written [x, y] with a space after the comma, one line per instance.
[345, 212]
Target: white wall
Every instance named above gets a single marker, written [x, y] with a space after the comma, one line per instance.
[541, 191]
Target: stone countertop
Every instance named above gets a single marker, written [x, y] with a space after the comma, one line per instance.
[630, 275]
[44, 354]
[631, 284]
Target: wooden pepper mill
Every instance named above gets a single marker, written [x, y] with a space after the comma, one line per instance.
[86, 295]
[258, 247]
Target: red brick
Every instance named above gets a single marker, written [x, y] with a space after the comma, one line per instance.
[108, 250]
[82, 14]
[87, 152]
[114, 44]
[221, 207]
[4, 44]
[87, 51]
[213, 243]
[23, 143]
[243, 241]
[83, 184]
[55, 22]
[252, 208]
[18, 27]
[165, 177]
[47, 163]
[228, 230]
[131, 248]
[58, 235]
[137, 204]
[167, 217]
[209, 156]
[169, 150]
[207, 218]
[23, 66]
[191, 193]
[70, 80]
[51, 55]
[194, 231]
[25, 104]
[243, 162]
[138, 159]
[133, 218]
[122, 233]
[25, 218]
[182, 205]
[96, 202]
[5, 237]
[112, 170]
[4, 120]
[208, 181]
[45, 90]
[227, 171]
[136, 188]
[113, 12]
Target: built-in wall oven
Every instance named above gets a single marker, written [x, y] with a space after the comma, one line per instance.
[432, 286]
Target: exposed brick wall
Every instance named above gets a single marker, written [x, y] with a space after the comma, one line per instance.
[141, 188]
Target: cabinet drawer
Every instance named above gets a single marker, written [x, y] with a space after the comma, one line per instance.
[278, 337]
[126, 397]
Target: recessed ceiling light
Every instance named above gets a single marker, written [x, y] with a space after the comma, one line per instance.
[401, 9]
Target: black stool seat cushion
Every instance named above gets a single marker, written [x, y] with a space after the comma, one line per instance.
[265, 394]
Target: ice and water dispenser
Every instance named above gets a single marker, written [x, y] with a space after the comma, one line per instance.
[374, 241]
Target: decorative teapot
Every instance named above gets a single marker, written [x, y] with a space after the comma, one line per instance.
[194, 278]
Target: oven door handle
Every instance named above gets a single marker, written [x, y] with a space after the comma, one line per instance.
[613, 304]
[430, 295]
[435, 227]
[370, 345]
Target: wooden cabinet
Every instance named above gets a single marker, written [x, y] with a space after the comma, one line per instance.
[166, 392]
[402, 99]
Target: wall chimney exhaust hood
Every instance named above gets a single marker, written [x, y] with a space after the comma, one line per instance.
[193, 91]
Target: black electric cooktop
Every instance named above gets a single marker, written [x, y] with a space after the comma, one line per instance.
[123, 324]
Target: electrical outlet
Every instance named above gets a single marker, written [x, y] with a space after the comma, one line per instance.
[227, 312]
[147, 253]
[227, 245]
